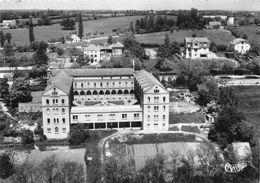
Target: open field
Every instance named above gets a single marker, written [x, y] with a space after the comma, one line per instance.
[251, 32]
[218, 36]
[249, 103]
[21, 36]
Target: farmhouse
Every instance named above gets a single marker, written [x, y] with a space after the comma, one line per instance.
[73, 38]
[240, 45]
[103, 99]
[214, 25]
[196, 47]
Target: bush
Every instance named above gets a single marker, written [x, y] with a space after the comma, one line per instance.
[27, 137]
[77, 136]
[221, 47]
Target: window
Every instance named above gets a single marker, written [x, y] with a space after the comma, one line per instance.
[95, 84]
[156, 108]
[56, 130]
[63, 130]
[100, 84]
[148, 98]
[63, 120]
[57, 101]
[148, 108]
[57, 120]
[62, 101]
[82, 85]
[55, 111]
[48, 130]
[124, 116]
[164, 99]
[156, 117]
[148, 118]
[107, 84]
[54, 120]
[136, 116]
[156, 99]
[164, 108]
[47, 102]
[63, 111]
[125, 83]
[112, 116]
[100, 117]
[48, 111]
[75, 117]
[156, 90]
[48, 121]
[54, 92]
[163, 117]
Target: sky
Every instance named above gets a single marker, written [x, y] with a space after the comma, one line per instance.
[253, 5]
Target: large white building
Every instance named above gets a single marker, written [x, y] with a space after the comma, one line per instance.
[103, 99]
[240, 45]
[196, 47]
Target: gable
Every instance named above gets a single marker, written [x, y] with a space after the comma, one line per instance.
[53, 91]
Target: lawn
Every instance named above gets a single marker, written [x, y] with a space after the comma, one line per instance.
[218, 36]
[252, 32]
[186, 118]
[21, 36]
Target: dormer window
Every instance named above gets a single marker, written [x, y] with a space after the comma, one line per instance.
[156, 90]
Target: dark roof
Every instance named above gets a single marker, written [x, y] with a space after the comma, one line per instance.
[96, 72]
[62, 81]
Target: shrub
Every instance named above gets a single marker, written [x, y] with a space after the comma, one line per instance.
[27, 137]
[77, 136]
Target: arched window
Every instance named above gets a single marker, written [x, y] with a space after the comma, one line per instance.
[164, 99]
[62, 101]
[47, 102]
[48, 111]
[63, 111]
[76, 93]
[88, 92]
[56, 130]
[126, 92]
[95, 92]
[119, 92]
[148, 98]
[101, 92]
[113, 92]
[107, 92]
[82, 93]
[132, 92]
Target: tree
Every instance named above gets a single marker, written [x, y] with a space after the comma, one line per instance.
[80, 31]
[168, 51]
[70, 172]
[77, 136]
[40, 57]
[81, 60]
[166, 40]
[49, 168]
[25, 173]
[8, 37]
[131, 28]
[8, 49]
[110, 40]
[164, 64]
[213, 47]
[31, 35]
[27, 137]
[60, 51]
[2, 38]
[230, 127]
[68, 24]
[4, 90]
[20, 91]
[6, 164]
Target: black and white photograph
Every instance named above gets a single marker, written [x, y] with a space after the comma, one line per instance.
[129, 91]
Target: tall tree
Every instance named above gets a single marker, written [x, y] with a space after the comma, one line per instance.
[31, 34]
[8, 37]
[167, 40]
[6, 164]
[2, 38]
[20, 91]
[4, 90]
[80, 33]
[131, 28]
[40, 57]
[8, 49]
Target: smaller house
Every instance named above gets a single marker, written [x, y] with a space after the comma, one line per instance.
[214, 25]
[240, 45]
[93, 52]
[117, 48]
[196, 47]
[73, 38]
[8, 24]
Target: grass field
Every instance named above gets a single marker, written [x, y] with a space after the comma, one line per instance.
[218, 36]
[21, 36]
[251, 32]
[249, 103]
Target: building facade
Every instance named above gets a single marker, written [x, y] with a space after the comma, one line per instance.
[103, 99]
[240, 45]
[196, 47]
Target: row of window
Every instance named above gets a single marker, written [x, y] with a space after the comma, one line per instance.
[156, 108]
[56, 111]
[155, 118]
[55, 101]
[156, 99]
[56, 120]
[100, 84]
[56, 130]
[101, 92]
[100, 116]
